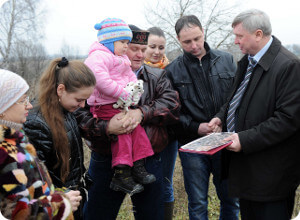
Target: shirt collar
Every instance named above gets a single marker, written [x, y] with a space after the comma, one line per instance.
[137, 72]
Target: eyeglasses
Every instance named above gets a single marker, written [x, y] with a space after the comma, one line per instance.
[24, 102]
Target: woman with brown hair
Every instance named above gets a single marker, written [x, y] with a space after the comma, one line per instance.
[155, 53]
[53, 130]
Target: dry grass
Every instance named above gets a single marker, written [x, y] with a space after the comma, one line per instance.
[181, 202]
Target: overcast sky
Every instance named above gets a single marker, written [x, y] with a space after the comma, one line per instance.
[72, 21]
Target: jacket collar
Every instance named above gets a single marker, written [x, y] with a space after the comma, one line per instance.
[213, 55]
[142, 74]
[266, 61]
[193, 58]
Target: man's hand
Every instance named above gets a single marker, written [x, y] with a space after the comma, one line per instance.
[204, 129]
[215, 125]
[236, 145]
[136, 114]
[121, 123]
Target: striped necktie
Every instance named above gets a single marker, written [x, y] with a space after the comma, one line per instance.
[235, 102]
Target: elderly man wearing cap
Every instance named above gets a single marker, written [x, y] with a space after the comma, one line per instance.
[158, 108]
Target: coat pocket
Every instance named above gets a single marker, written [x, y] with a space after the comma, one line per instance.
[185, 89]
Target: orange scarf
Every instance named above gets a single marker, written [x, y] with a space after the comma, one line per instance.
[161, 64]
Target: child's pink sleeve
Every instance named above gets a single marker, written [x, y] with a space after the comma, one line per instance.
[104, 83]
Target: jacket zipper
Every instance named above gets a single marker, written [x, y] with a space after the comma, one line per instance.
[212, 93]
[215, 99]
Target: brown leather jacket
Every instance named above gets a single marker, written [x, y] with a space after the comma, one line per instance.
[159, 104]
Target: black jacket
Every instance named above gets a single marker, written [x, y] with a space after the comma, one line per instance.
[40, 136]
[159, 104]
[200, 101]
[268, 126]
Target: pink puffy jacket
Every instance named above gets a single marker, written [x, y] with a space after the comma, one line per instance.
[112, 74]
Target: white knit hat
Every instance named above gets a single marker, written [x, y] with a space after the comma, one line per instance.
[12, 87]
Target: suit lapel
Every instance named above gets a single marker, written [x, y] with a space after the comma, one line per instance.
[256, 75]
[240, 74]
[263, 66]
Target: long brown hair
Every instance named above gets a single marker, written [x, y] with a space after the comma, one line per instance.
[73, 75]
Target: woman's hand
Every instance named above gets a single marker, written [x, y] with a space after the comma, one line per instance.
[75, 198]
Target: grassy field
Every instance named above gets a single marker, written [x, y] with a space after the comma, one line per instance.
[181, 203]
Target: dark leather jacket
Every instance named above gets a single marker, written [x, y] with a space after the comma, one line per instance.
[159, 104]
[200, 100]
[39, 135]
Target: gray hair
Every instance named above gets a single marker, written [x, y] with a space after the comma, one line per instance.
[252, 20]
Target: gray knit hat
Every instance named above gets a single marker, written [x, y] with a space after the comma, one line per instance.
[12, 87]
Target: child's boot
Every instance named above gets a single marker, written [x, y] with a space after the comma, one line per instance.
[123, 181]
[140, 174]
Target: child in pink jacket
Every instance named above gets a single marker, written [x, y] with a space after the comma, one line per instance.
[112, 68]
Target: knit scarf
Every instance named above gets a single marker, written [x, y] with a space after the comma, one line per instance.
[10, 130]
[161, 64]
[26, 189]
[14, 125]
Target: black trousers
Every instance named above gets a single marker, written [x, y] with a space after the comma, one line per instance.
[275, 210]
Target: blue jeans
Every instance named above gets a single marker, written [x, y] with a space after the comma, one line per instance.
[168, 158]
[104, 203]
[196, 170]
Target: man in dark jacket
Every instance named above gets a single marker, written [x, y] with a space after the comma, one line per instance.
[158, 107]
[203, 78]
[264, 165]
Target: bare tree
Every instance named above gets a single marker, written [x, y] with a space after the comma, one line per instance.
[21, 54]
[71, 52]
[294, 48]
[40, 57]
[28, 60]
[214, 15]
[19, 20]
